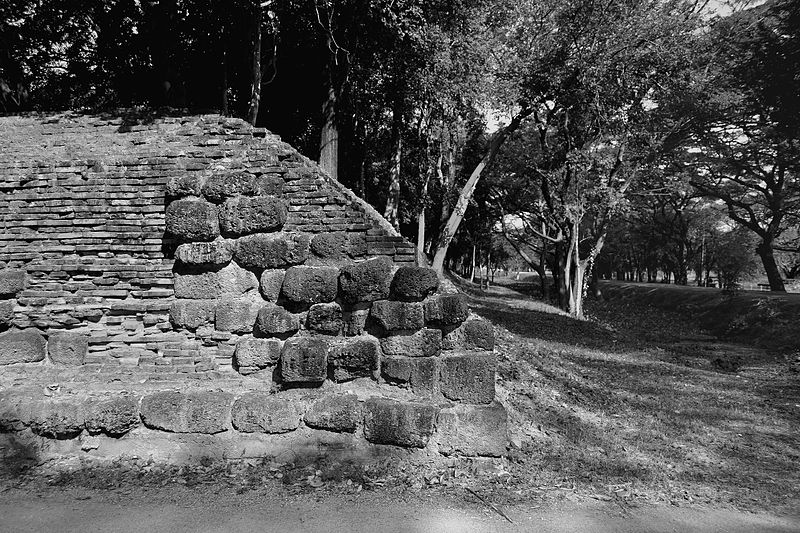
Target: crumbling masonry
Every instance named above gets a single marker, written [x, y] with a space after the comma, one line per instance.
[196, 282]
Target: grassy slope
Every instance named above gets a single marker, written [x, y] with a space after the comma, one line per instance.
[633, 405]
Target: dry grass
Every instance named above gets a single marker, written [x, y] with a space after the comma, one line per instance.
[634, 405]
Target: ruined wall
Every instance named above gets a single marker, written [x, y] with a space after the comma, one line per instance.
[175, 247]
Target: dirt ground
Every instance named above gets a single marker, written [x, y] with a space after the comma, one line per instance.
[181, 509]
[636, 419]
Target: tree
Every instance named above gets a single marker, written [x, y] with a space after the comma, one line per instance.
[748, 148]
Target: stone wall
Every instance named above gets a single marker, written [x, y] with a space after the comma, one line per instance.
[202, 247]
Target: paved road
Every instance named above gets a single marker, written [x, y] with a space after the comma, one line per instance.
[178, 510]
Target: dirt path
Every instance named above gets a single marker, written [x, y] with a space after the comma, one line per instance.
[178, 510]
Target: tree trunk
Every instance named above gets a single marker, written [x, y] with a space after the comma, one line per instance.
[421, 260]
[255, 65]
[457, 215]
[472, 267]
[329, 137]
[393, 200]
[767, 256]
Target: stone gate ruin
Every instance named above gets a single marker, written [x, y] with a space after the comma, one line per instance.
[176, 286]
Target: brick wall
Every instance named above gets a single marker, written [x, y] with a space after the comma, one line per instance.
[82, 208]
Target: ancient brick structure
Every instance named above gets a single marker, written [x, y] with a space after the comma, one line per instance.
[230, 286]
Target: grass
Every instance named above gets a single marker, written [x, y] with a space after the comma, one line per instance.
[635, 404]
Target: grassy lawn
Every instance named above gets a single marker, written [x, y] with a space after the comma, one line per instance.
[638, 404]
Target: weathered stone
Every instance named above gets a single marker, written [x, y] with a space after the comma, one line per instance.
[187, 412]
[269, 184]
[274, 250]
[7, 312]
[257, 353]
[67, 348]
[421, 373]
[473, 430]
[113, 416]
[57, 419]
[356, 245]
[222, 185]
[393, 316]
[231, 280]
[413, 284]
[184, 185]
[16, 410]
[366, 281]
[399, 423]
[329, 245]
[304, 285]
[355, 321]
[261, 412]
[339, 413]
[271, 283]
[304, 360]
[191, 314]
[325, 318]
[213, 253]
[192, 220]
[354, 357]
[446, 309]
[12, 281]
[423, 343]
[242, 215]
[275, 320]
[237, 315]
[21, 346]
[468, 377]
[471, 335]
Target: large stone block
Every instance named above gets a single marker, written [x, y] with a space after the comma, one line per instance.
[270, 184]
[113, 416]
[231, 280]
[331, 245]
[355, 321]
[243, 215]
[275, 250]
[399, 423]
[325, 318]
[274, 320]
[471, 335]
[447, 309]
[192, 220]
[12, 281]
[191, 314]
[334, 412]
[237, 315]
[257, 353]
[422, 343]
[473, 430]
[187, 412]
[222, 185]
[413, 284]
[468, 377]
[394, 316]
[57, 419]
[21, 346]
[16, 410]
[366, 281]
[215, 253]
[184, 185]
[271, 282]
[420, 373]
[7, 312]
[261, 412]
[304, 285]
[354, 357]
[304, 360]
[67, 348]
